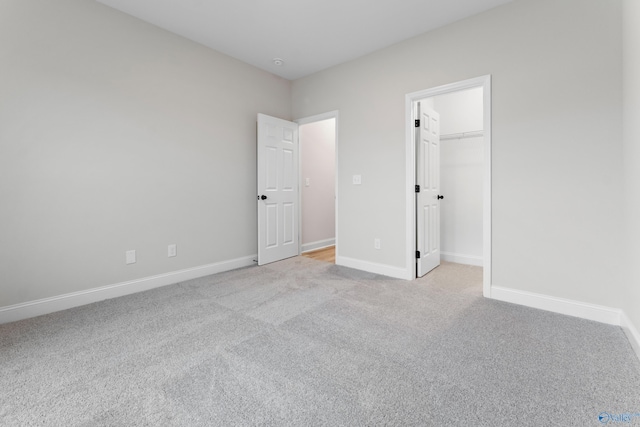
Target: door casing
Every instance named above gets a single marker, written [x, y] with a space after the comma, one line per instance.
[411, 100]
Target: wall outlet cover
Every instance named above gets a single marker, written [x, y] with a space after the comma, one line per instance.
[172, 250]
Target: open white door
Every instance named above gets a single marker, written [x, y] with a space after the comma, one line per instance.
[277, 189]
[427, 190]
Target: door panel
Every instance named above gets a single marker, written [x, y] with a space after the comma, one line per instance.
[289, 234]
[277, 189]
[271, 165]
[287, 170]
[427, 202]
[271, 213]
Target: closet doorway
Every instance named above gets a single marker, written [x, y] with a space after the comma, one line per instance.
[466, 170]
[461, 169]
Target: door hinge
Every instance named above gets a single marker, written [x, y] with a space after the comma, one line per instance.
[417, 123]
[417, 254]
[417, 188]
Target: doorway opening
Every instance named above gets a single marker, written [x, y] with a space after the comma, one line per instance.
[461, 146]
[318, 138]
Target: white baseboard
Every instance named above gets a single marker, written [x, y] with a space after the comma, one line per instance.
[462, 259]
[307, 247]
[631, 332]
[371, 267]
[583, 310]
[39, 307]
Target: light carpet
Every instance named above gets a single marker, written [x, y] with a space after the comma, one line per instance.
[305, 343]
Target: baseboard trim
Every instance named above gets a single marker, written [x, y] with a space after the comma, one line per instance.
[39, 307]
[632, 333]
[462, 259]
[320, 244]
[598, 313]
[371, 267]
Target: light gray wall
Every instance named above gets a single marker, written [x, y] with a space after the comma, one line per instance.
[317, 164]
[557, 160]
[460, 111]
[631, 76]
[461, 176]
[117, 135]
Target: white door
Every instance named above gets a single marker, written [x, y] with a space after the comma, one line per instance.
[277, 189]
[427, 190]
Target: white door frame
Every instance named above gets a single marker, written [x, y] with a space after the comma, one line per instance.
[312, 119]
[410, 100]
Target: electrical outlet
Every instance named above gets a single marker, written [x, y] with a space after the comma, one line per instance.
[376, 243]
[357, 179]
[130, 257]
[172, 250]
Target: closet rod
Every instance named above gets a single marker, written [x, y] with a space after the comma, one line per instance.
[461, 135]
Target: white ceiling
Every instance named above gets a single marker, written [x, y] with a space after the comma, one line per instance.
[309, 35]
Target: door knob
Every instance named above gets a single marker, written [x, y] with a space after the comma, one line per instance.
[440, 197]
[263, 197]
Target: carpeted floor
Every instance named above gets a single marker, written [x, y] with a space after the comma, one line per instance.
[303, 343]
